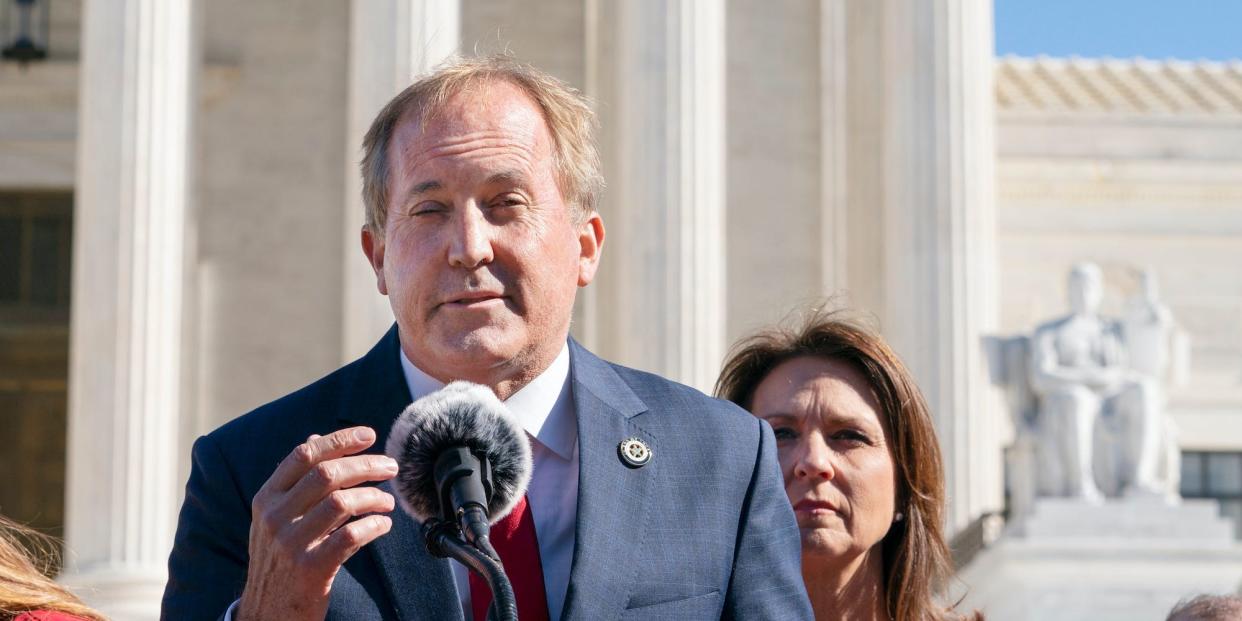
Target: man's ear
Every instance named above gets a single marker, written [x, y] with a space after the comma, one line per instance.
[373, 247]
[591, 245]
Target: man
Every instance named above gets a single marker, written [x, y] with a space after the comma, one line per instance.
[480, 183]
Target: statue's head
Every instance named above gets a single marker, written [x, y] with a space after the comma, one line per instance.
[1086, 288]
[1148, 287]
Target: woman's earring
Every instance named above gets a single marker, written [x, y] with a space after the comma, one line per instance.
[899, 516]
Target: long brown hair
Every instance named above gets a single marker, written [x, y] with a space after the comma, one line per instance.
[26, 559]
[916, 559]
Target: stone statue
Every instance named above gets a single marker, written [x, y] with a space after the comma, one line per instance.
[1157, 348]
[1159, 352]
[1086, 393]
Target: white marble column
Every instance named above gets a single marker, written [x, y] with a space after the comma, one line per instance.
[391, 43]
[939, 229]
[834, 145]
[661, 302]
[125, 389]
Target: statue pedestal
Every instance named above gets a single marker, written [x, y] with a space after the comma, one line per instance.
[1126, 560]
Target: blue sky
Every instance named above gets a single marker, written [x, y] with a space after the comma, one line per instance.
[1185, 29]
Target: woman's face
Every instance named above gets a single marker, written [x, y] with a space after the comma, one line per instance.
[834, 454]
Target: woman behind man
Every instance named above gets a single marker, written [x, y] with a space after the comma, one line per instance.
[26, 593]
[861, 462]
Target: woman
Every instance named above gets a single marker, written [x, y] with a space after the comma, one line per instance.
[861, 463]
[26, 593]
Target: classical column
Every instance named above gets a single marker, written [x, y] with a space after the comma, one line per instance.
[939, 229]
[125, 389]
[391, 43]
[834, 145]
[661, 89]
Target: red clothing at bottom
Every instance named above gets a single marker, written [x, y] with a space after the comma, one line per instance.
[47, 615]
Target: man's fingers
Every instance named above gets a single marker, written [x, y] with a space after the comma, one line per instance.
[350, 538]
[338, 508]
[315, 450]
[328, 476]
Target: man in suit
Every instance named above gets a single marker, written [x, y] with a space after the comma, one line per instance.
[648, 500]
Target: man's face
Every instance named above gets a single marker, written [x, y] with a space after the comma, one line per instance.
[481, 257]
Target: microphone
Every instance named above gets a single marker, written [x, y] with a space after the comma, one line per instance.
[462, 458]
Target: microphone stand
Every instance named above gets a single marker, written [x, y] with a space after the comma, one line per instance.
[443, 542]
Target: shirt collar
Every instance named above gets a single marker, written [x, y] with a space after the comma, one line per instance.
[543, 407]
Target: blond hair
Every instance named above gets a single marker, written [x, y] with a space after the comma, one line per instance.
[26, 561]
[566, 111]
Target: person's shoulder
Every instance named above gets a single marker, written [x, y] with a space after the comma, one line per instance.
[312, 405]
[317, 405]
[251, 445]
[666, 397]
[711, 436]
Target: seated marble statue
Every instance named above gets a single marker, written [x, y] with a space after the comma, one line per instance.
[1086, 387]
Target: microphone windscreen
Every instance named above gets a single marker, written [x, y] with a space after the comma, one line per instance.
[460, 414]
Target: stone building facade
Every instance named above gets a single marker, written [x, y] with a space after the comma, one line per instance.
[758, 156]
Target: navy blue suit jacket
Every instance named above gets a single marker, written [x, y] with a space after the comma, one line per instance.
[703, 531]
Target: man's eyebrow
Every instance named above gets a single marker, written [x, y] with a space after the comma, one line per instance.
[423, 188]
[508, 177]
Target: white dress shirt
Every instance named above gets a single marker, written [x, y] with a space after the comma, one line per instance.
[545, 409]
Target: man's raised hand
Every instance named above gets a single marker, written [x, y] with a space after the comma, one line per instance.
[301, 530]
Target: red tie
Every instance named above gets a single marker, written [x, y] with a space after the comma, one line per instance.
[515, 541]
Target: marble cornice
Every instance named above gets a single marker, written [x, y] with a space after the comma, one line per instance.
[1133, 88]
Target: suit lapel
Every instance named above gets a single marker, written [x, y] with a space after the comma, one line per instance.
[612, 498]
[419, 585]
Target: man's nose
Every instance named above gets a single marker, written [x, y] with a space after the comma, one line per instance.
[471, 244]
[814, 458]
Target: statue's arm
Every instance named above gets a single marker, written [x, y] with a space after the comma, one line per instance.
[1048, 374]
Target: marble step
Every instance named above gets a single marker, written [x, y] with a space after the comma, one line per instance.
[1188, 520]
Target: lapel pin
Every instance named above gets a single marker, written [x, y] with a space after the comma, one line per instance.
[634, 452]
